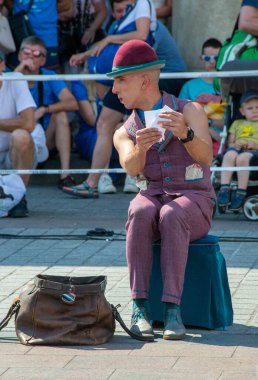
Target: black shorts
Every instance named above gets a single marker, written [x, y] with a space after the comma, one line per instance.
[111, 101]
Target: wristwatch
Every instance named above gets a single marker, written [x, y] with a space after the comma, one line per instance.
[190, 136]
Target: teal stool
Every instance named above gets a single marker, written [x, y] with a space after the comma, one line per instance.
[206, 300]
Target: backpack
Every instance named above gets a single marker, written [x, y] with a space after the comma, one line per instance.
[12, 189]
[240, 45]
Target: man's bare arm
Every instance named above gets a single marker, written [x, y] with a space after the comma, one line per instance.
[25, 120]
[133, 156]
[194, 117]
[66, 103]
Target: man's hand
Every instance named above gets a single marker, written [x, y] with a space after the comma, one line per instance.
[26, 66]
[40, 112]
[174, 123]
[78, 59]
[146, 137]
[97, 49]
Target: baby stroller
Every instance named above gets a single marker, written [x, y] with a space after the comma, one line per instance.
[231, 91]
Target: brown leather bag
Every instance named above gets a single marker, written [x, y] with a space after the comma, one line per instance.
[58, 310]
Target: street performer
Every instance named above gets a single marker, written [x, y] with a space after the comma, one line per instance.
[177, 198]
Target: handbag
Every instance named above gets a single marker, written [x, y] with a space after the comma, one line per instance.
[7, 44]
[59, 310]
[20, 25]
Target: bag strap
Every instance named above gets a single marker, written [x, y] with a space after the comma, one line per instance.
[29, 6]
[12, 311]
[41, 99]
[119, 319]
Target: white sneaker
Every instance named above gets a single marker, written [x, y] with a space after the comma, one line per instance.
[105, 185]
[130, 186]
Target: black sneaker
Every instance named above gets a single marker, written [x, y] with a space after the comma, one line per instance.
[237, 203]
[68, 181]
[20, 210]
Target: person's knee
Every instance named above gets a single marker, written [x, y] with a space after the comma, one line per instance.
[61, 119]
[105, 127]
[21, 140]
[171, 214]
[243, 159]
[142, 211]
[230, 156]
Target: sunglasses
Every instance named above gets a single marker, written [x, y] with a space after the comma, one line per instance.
[208, 58]
[35, 53]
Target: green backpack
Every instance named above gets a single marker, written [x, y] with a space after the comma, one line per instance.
[240, 45]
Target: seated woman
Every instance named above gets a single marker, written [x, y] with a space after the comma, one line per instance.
[136, 21]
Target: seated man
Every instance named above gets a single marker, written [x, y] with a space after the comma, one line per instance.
[53, 100]
[22, 144]
[177, 191]
[202, 90]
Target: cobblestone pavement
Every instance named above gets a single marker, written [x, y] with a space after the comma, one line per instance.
[231, 354]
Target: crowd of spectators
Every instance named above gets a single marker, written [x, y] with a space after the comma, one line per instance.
[74, 36]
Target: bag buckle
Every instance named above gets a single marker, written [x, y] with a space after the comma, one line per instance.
[70, 297]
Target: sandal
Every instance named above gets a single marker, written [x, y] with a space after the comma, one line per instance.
[82, 191]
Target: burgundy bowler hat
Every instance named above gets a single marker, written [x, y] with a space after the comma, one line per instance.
[135, 55]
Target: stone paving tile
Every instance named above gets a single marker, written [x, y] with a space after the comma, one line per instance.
[107, 349]
[34, 361]
[239, 375]
[13, 348]
[165, 375]
[56, 373]
[122, 362]
[246, 352]
[189, 349]
[248, 364]
[3, 370]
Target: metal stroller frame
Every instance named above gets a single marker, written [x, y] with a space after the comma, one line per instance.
[231, 90]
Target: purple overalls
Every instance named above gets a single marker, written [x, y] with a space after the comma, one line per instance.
[176, 207]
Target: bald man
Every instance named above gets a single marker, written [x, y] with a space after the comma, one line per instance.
[176, 199]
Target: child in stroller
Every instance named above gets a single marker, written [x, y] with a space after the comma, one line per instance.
[242, 143]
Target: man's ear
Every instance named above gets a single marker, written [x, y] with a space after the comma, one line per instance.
[146, 81]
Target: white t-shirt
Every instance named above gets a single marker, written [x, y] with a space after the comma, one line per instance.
[15, 97]
[143, 8]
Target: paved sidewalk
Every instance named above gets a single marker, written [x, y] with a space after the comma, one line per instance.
[231, 354]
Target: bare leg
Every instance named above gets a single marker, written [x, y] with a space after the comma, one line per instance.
[106, 126]
[22, 152]
[229, 159]
[243, 159]
[58, 135]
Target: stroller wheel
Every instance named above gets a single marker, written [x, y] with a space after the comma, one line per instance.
[222, 209]
[250, 208]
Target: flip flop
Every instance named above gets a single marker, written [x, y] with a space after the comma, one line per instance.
[82, 191]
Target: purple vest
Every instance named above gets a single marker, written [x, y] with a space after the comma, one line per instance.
[169, 168]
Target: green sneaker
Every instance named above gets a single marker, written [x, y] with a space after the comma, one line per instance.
[173, 325]
[140, 324]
